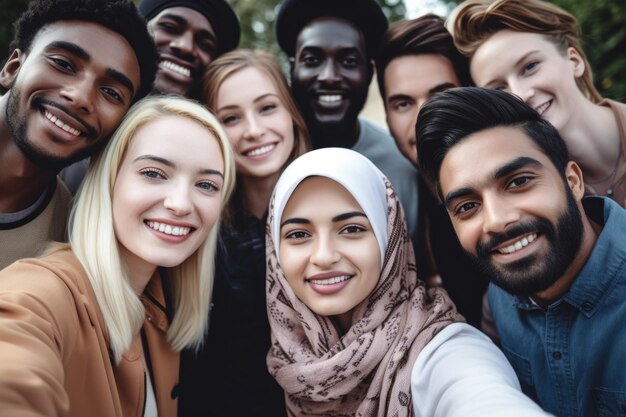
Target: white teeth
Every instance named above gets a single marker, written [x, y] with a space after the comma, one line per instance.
[169, 230]
[261, 150]
[543, 107]
[519, 244]
[175, 68]
[328, 98]
[329, 281]
[59, 123]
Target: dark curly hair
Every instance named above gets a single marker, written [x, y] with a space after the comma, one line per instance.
[120, 16]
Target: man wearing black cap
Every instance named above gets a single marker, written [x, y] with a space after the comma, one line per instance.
[188, 34]
[331, 44]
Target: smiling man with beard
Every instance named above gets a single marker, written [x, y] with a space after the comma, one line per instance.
[331, 45]
[64, 99]
[557, 260]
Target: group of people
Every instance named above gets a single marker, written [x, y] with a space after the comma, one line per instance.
[243, 244]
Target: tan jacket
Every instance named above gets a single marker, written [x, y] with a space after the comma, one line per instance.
[54, 356]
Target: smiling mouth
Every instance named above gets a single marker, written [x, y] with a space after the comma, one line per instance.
[58, 122]
[329, 98]
[329, 281]
[260, 151]
[178, 69]
[541, 109]
[168, 229]
[520, 244]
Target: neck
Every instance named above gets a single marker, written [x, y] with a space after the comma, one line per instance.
[591, 231]
[21, 181]
[344, 135]
[593, 140]
[257, 193]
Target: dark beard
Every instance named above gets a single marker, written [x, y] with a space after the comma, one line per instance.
[18, 127]
[537, 272]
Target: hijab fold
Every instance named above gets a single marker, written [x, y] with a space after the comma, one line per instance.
[367, 370]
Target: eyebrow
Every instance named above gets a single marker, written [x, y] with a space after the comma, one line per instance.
[83, 55]
[436, 89]
[256, 100]
[337, 218]
[503, 171]
[207, 171]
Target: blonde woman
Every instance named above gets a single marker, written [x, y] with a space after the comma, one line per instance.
[249, 94]
[531, 48]
[89, 328]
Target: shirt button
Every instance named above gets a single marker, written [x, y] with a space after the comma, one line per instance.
[587, 306]
[556, 355]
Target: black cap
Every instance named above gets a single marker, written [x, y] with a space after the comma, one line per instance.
[219, 13]
[293, 15]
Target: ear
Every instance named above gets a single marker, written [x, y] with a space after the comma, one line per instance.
[11, 68]
[577, 61]
[574, 177]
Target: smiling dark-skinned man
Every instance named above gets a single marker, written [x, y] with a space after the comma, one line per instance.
[64, 99]
[331, 44]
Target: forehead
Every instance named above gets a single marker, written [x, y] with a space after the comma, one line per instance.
[320, 197]
[411, 73]
[176, 138]
[474, 160]
[257, 83]
[504, 49]
[330, 33]
[193, 18]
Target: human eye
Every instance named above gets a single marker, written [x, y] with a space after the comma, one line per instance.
[353, 228]
[153, 173]
[530, 67]
[168, 26]
[465, 209]
[229, 120]
[401, 105]
[519, 182]
[296, 235]
[207, 185]
[310, 60]
[350, 61]
[268, 107]
[113, 93]
[61, 63]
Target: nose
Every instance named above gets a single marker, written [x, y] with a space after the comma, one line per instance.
[184, 43]
[329, 73]
[497, 215]
[80, 93]
[178, 199]
[324, 252]
[254, 127]
[521, 89]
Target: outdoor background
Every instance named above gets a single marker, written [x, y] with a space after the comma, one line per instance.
[602, 22]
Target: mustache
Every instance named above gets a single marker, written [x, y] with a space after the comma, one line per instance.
[541, 226]
[91, 133]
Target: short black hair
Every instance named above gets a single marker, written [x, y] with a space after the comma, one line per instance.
[450, 116]
[425, 35]
[120, 16]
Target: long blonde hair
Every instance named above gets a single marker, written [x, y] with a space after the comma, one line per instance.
[93, 239]
[474, 21]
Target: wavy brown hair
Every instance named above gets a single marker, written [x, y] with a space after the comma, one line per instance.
[475, 21]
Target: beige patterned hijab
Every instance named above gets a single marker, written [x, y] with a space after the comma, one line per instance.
[367, 370]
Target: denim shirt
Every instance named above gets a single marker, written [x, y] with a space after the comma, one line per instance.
[571, 357]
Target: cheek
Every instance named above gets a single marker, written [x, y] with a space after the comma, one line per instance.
[209, 213]
[292, 263]
[468, 235]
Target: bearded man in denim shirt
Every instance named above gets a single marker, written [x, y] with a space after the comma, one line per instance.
[556, 260]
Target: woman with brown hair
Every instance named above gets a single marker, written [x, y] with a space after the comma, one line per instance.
[250, 96]
[531, 48]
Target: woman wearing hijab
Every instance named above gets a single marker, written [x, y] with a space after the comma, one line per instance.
[353, 331]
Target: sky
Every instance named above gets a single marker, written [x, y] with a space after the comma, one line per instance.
[416, 8]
